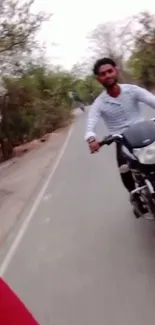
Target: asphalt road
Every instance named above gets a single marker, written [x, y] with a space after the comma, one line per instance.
[84, 259]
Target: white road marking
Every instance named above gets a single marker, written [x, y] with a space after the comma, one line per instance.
[29, 217]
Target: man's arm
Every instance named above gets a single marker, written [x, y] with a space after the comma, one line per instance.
[93, 117]
[144, 96]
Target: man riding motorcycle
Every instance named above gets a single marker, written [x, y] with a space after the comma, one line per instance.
[119, 107]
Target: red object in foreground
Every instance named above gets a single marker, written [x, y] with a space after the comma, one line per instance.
[12, 310]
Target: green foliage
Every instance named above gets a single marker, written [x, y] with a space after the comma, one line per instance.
[142, 60]
[18, 26]
[38, 102]
[87, 89]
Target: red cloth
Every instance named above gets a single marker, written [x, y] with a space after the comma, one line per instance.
[12, 310]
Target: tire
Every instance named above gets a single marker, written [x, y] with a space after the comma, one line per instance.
[151, 207]
[137, 209]
[137, 213]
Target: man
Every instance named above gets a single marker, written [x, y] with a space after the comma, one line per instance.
[119, 107]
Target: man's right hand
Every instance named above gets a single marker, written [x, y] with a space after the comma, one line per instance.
[93, 145]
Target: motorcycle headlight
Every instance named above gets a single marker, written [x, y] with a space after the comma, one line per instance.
[146, 155]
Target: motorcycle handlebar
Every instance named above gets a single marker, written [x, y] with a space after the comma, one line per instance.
[114, 138]
[110, 139]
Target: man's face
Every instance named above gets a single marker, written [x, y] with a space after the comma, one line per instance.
[107, 75]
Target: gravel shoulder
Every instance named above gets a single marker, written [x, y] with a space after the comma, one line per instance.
[21, 176]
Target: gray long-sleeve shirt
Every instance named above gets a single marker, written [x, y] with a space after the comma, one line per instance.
[120, 112]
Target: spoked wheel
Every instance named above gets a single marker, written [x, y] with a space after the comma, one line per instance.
[151, 207]
[139, 209]
[137, 213]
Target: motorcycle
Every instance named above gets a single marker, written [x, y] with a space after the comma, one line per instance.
[138, 146]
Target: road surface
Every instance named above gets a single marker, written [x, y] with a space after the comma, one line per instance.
[84, 259]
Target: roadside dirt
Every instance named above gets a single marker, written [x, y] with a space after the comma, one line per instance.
[20, 177]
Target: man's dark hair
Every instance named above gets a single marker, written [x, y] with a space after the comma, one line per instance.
[101, 62]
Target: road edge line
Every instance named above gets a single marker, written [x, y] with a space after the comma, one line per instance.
[12, 250]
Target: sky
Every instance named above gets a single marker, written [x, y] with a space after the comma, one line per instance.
[66, 34]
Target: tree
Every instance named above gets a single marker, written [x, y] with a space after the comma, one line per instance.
[81, 70]
[142, 60]
[113, 39]
[87, 89]
[18, 26]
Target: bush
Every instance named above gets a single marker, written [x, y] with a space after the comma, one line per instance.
[37, 103]
[34, 104]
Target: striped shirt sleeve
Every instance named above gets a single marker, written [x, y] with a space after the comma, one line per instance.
[93, 117]
[144, 96]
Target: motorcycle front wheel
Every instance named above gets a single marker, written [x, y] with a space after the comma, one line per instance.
[150, 202]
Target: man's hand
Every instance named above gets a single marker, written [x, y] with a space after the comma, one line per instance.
[93, 145]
